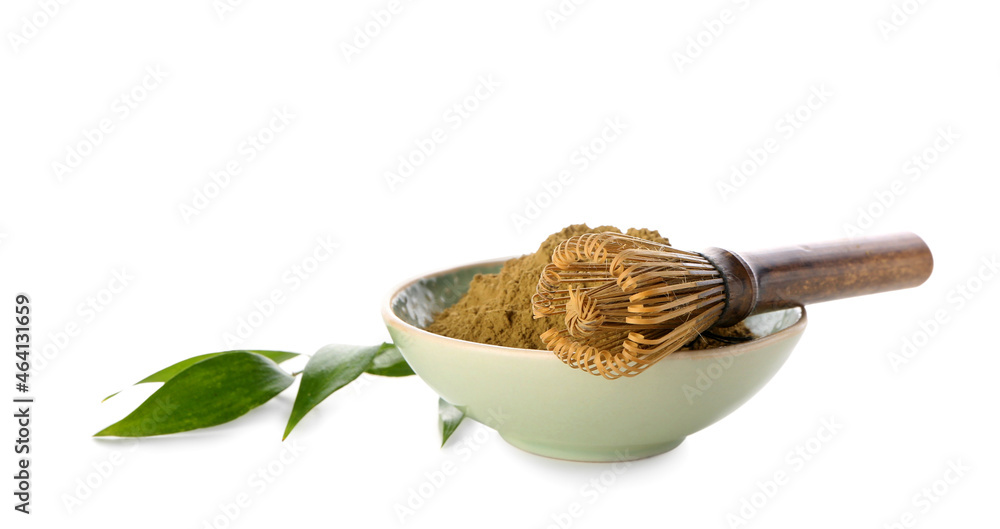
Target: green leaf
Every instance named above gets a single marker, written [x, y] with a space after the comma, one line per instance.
[167, 373]
[330, 369]
[388, 362]
[449, 417]
[210, 392]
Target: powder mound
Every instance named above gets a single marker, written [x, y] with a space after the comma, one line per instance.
[497, 308]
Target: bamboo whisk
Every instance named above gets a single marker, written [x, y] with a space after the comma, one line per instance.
[628, 302]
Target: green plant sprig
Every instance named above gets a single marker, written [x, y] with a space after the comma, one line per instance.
[215, 388]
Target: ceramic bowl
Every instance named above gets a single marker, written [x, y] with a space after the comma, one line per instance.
[542, 406]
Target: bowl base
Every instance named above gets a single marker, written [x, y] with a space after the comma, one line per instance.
[592, 454]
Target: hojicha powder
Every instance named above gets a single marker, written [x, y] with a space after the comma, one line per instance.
[497, 308]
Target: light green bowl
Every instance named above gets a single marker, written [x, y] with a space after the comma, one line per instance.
[542, 406]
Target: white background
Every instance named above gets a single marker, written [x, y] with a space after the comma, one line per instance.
[892, 89]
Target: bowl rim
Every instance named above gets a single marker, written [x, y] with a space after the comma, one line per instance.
[390, 318]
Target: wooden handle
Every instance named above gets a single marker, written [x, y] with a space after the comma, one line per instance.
[762, 281]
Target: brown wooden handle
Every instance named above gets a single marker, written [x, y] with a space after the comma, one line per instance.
[762, 281]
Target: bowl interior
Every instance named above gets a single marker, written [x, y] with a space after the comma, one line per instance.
[421, 300]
